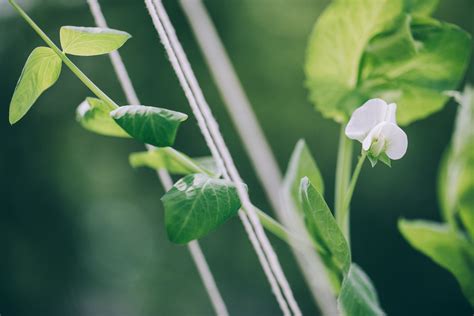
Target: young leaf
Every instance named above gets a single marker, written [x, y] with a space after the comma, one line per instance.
[417, 82]
[302, 165]
[94, 115]
[336, 47]
[169, 159]
[449, 249]
[369, 48]
[322, 226]
[198, 204]
[91, 41]
[40, 72]
[358, 296]
[150, 125]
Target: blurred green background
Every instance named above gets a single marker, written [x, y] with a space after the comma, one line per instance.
[81, 233]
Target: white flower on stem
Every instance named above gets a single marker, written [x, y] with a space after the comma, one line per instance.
[374, 125]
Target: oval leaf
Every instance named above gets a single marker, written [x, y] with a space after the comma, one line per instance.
[358, 296]
[198, 204]
[94, 115]
[40, 72]
[167, 158]
[322, 226]
[449, 249]
[91, 41]
[150, 125]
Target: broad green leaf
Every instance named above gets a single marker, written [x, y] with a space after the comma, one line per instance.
[449, 249]
[421, 7]
[416, 80]
[94, 115]
[358, 296]
[40, 72]
[302, 165]
[198, 204]
[362, 49]
[91, 41]
[322, 226]
[150, 125]
[169, 159]
[336, 47]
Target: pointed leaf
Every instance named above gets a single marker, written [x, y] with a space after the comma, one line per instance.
[40, 72]
[91, 41]
[198, 204]
[94, 115]
[358, 296]
[169, 159]
[150, 125]
[449, 249]
[322, 226]
[302, 164]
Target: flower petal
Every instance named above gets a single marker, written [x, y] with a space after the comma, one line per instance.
[365, 118]
[396, 141]
[374, 134]
[391, 113]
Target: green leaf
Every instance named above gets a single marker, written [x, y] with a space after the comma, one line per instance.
[358, 296]
[91, 41]
[467, 218]
[150, 125]
[94, 115]
[360, 50]
[198, 204]
[421, 7]
[169, 159]
[336, 47]
[449, 249]
[456, 180]
[302, 164]
[40, 72]
[417, 79]
[322, 226]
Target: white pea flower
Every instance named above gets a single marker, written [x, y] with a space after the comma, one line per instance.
[374, 125]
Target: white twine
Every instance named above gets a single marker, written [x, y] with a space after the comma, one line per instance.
[165, 178]
[257, 147]
[217, 145]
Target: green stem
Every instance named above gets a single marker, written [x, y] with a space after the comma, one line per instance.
[348, 197]
[188, 162]
[343, 170]
[87, 82]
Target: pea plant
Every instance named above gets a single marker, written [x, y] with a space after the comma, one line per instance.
[372, 66]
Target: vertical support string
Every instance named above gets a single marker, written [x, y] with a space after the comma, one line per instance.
[165, 178]
[256, 145]
[204, 130]
[215, 140]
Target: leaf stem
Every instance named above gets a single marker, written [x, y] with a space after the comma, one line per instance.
[348, 197]
[343, 169]
[87, 82]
